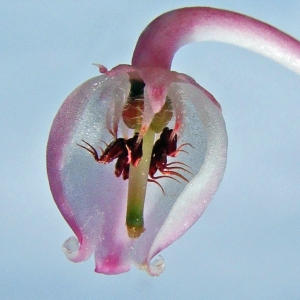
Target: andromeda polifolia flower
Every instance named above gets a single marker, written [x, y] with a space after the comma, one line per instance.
[136, 154]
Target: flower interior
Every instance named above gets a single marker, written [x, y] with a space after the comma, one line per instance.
[142, 158]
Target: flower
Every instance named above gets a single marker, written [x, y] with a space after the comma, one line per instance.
[135, 155]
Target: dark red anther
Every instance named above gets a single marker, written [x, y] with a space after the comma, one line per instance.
[136, 149]
[168, 143]
[166, 146]
[130, 151]
[114, 150]
[122, 167]
[126, 151]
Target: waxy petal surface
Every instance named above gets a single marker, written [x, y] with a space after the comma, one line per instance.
[88, 194]
[93, 200]
[174, 214]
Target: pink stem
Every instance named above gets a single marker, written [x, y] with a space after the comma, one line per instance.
[167, 33]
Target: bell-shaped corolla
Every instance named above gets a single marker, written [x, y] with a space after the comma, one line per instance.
[135, 155]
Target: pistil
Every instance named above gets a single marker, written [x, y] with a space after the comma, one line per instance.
[137, 187]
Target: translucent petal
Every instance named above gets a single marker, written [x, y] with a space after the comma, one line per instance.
[93, 201]
[89, 196]
[168, 217]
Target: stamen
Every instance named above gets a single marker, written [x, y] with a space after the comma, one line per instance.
[179, 149]
[93, 151]
[178, 162]
[154, 181]
[104, 143]
[178, 168]
[164, 176]
[174, 173]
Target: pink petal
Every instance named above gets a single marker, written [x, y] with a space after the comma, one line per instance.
[179, 27]
[170, 216]
[93, 201]
[89, 196]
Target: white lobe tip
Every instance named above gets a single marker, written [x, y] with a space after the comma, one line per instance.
[71, 247]
[157, 266]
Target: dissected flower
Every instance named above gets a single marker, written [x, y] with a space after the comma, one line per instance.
[136, 154]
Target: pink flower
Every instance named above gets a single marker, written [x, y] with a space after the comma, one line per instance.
[135, 155]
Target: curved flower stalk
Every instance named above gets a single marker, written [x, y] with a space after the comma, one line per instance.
[135, 155]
